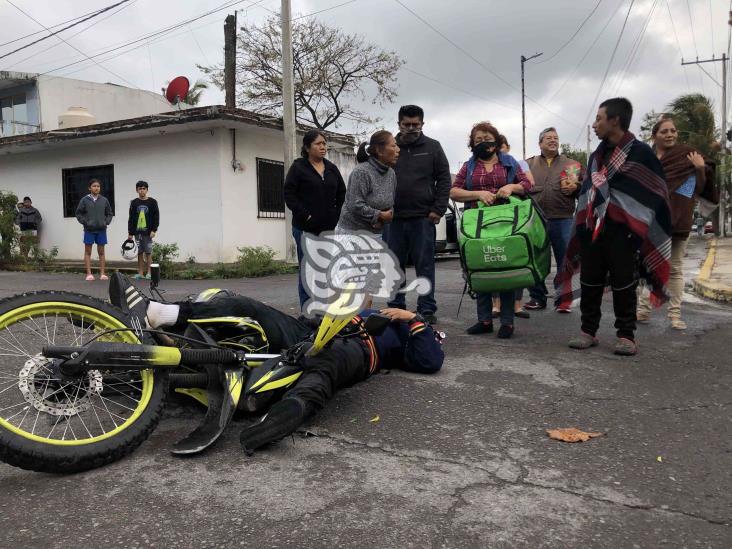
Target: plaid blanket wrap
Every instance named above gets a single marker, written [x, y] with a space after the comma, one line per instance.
[629, 189]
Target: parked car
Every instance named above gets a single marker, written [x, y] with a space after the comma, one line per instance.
[446, 233]
[708, 227]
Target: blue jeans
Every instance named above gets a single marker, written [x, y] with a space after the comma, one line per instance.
[414, 238]
[485, 307]
[559, 232]
[302, 293]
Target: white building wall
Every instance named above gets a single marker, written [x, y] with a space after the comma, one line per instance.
[241, 227]
[183, 171]
[107, 102]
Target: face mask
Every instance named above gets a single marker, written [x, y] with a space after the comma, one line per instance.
[482, 151]
[408, 138]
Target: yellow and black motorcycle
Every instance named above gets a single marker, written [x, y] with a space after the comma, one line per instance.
[81, 386]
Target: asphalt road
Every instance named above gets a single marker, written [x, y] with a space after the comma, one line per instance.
[459, 459]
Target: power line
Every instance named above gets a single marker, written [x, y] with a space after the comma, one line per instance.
[96, 22]
[571, 37]
[711, 30]
[55, 33]
[147, 37]
[637, 44]
[678, 44]
[40, 31]
[587, 52]
[477, 61]
[693, 37]
[323, 10]
[71, 45]
[602, 83]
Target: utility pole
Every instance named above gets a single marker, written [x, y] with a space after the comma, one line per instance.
[588, 147]
[288, 112]
[523, 101]
[722, 190]
[230, 60]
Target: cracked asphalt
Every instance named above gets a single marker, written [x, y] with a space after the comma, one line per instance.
[459, 459]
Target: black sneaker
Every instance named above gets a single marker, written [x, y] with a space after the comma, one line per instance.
[480, 327]
[505, 332]
[281, 420]
[124, 295]
[534, 305]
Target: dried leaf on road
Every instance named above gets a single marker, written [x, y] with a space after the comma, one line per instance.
[374, 419]
[571, 434]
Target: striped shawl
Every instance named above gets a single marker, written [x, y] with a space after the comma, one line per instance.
[629, 188]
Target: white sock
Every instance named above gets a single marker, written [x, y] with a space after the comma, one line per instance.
[162, 314]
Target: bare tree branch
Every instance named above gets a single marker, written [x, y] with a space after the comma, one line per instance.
[331, 69]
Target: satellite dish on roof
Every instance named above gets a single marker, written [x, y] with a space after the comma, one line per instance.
[177, 90]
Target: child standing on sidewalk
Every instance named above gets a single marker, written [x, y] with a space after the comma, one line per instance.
[95, 213]
[142, 224]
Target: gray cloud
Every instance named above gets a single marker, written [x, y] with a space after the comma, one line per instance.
[495, 32]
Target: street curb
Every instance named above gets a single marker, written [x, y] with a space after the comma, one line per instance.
[706, 288]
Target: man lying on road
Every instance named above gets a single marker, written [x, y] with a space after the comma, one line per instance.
[407, 343]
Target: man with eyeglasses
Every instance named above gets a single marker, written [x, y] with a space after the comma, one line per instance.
[557, 180]
[422, 192]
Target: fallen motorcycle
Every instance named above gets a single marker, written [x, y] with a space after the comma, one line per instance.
[82, 386]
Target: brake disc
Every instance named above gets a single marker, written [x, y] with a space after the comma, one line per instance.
[54, 396]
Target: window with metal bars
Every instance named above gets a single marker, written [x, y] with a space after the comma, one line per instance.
[270, 189]
[75, 185]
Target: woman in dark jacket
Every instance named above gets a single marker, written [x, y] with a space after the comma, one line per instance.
[314, 192]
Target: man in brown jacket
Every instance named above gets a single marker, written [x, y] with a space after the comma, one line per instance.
[557, 179]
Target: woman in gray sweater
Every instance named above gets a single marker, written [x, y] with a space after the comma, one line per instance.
[370, 194]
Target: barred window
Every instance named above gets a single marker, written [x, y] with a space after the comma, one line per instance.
[270, 189]
[75, 185]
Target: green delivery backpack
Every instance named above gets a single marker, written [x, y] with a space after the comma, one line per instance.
[503, 246]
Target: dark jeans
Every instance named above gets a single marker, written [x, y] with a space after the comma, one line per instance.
[302, 293]
[559, 232]
[343, 364]
[415, 238]
[485, 307]
[340, 365]
[283, 331]
[615, 252]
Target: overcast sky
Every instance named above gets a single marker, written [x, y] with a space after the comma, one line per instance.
[562, 90]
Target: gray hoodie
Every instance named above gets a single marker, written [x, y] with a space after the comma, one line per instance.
[371, 187]
[28, 218]
[95, 215]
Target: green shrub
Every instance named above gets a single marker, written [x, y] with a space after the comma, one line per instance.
[41, 258]
[164, 255]
[254, 261]
[8, 234]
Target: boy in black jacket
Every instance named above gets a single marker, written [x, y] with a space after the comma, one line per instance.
[142, 225]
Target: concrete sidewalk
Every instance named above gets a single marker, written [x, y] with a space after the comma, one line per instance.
[715, 278]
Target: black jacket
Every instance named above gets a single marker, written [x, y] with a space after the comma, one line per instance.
[315, 201]
[423, 179]
[144, 216]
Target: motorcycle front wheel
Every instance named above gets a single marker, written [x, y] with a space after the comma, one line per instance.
[59, 424]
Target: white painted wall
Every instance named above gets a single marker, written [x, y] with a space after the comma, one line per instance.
[182, 170]
[205, 207]
[107, 102]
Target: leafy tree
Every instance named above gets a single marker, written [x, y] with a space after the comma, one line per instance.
[575, 154]
[8, 209]
[331, 70]
[694, 119]
[196, 92]
[649, 120]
